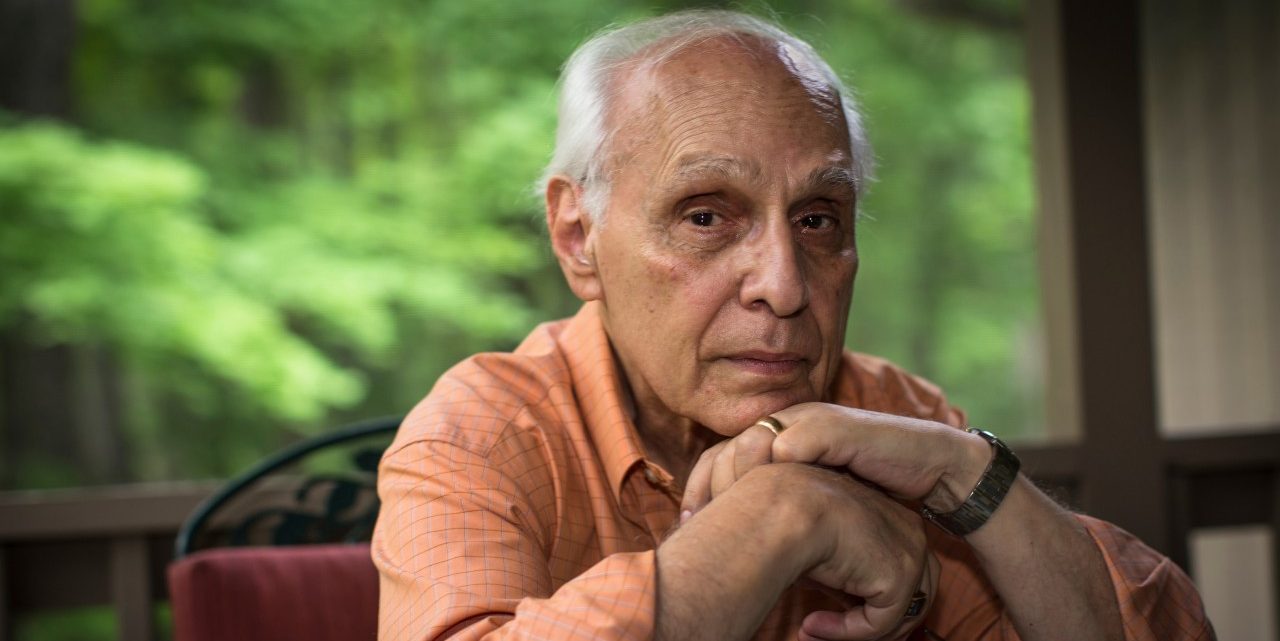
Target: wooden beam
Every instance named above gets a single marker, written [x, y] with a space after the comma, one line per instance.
[1050, 461]
[99, 512]
[1210, 453]
[1093, 58]
[1224, 452]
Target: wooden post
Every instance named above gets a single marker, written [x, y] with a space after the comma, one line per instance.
[1275, 545]
[6, 626]
[1090, 131]
[131, 588]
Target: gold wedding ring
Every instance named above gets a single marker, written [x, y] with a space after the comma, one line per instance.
[772, 424]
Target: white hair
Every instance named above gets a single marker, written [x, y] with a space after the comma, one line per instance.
[587, 76]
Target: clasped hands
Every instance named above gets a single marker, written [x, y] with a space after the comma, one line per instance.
[852, 469]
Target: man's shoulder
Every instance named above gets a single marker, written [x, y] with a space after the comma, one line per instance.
[477, 402]
[877, 384]
[886, 375]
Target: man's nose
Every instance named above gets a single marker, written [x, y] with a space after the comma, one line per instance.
[773, 274]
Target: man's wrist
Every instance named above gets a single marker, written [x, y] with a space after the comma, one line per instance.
[971, 456]
[987, 495]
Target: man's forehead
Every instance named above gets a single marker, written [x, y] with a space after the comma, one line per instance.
[697, 69]
[712, 84]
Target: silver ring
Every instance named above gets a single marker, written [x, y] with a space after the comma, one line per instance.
[918, 600]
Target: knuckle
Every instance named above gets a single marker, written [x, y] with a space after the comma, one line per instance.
[783, 448]
[883, 585]
[779, 450]
[708, 455]
[723, 460]
[758, 447]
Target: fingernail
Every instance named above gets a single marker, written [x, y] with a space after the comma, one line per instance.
[684, 516]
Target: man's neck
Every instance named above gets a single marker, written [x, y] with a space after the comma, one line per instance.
[671, 441]
[675, 446]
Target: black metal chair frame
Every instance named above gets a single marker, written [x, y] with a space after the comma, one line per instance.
[201, 515]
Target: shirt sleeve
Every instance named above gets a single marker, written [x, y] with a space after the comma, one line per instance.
[463, 553]
[1157, 600]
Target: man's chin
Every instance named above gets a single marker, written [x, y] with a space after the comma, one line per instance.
[738, 413]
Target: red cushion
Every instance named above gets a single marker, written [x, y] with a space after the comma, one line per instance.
[311, 593]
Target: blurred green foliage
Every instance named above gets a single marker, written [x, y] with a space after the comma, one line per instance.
[279, 215]
[75, 624]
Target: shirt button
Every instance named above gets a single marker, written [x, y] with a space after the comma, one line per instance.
[650, 475]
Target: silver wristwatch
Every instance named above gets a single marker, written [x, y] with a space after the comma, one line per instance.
[986, 495]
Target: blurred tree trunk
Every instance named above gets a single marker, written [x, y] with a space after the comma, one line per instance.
[59, 405]
[263, 99]
[59, 414]
[33, 410]
[94, 393]
[36, 39]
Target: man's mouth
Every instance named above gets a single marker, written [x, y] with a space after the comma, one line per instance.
[767, 363]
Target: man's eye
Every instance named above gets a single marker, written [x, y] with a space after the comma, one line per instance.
[703, 218]
[817, 221]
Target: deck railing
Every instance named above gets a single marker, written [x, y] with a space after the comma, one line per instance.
[95, 546]
[92, 546]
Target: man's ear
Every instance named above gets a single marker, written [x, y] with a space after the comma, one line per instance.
[571, 237]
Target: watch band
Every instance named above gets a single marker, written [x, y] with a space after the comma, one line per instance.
[986, 495]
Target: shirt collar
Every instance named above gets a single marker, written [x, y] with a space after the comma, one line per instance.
[596, 384]
[598, 388]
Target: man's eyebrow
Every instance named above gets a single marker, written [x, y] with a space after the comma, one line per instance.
[833, 176]
[694, 167]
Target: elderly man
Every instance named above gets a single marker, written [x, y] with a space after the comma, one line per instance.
[694, 455]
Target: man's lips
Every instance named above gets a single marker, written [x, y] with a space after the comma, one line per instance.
[768, 363]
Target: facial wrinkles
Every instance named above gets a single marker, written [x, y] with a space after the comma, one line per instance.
[754, 133]
[691, 104]
[770, 250]
[826, 99]
[694, 118]
[702, 117]
[683, 108]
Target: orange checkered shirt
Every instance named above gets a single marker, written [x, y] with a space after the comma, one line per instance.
[517, 503]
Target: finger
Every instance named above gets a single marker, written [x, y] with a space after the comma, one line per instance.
[831, 434]
[823, 436]
[739, 455]
[932, 577]
[901, 455]
[840, 626]
[805, 636]
[752, 448]
[927, 588]
[860, 623]
[881, 615]
[722, 472]
[697, 490]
